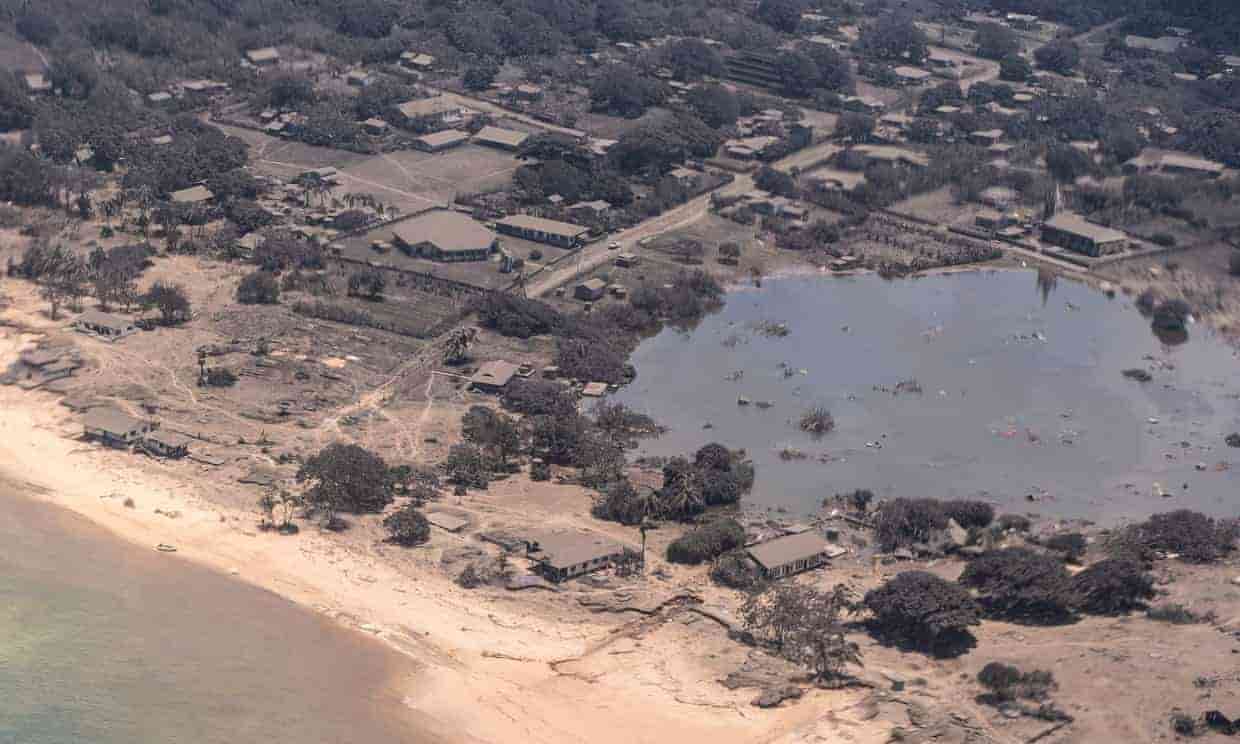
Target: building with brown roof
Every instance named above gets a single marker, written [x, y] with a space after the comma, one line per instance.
[440, 141]
[590, 290]
[166, 444]
[440, 108]
[1075, 233]
[445, 235]
[790, 554]
[192, 195]
[264, 57]
[541, 230]
[503, 139]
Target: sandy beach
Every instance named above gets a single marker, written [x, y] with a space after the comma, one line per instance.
[490, 669]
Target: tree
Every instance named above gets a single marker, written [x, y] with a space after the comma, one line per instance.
[36, 27]
[1007, 683]
[171, 302]
[905, 522]
[1015, 68]
[969, 513]
[368, 283]
[894, 38]
[1111, 587]
[1021, 585]
[1059, 55]
[1194, 536]
[480, 77]
[834, 69]
[467, 466]
[714, 104]
[492, 431]
[456, 346]
[690, 59]
[621, 91]
[782, 15]
[855, 127]
[996, 42]
[734, 570]
[923, 609]
[707, 542]
[258, 288]
[805, 626]
[1171, 315]
[775, 181]
[345, 477]
[407, 526]
[539, 398]
[1066, 163]
[798, 74]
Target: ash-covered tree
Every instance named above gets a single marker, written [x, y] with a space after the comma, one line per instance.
[855, 127]
[691, 59]
[893, 37]
[407, 526]
[706, 542]
[920, 608]
[480, 76]
[468, 466]
[995, 41]
[782, 15]
[805, 626]
[1060, 55]
[1020, 585]
[901, 523]
[258, 288]
[367, 283]
[714, 104]
[1111, 587]
[491, 430]
[170, 300]
[345, 477]
[798, 73]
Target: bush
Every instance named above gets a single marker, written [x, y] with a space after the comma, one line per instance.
[1194, 536]
[735, 570]
[1172, 315]
[1166, 240]
[969, 514]
[407, 526]
[258, 288]
[904, 522]
[1021, 585]
[540, 471]
[1007, 683]
[221, 377]
[539, 398]
[367, 283]
[1071, 545]
[467, 466]
[1233, 264]
[921, 608]
[1111, 587]
[817, 421]
[591, 360]
[1177, 614]
[707, 542]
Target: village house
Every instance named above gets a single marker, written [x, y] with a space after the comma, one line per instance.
[198, 91]
[440, 141]
[591, 290]
[105, 325]
[627, 260]
[437, 109]
[538, 229]
[889, 155]
[594, 390]
[163, 443]
[375, 126]
[992, 220]
[114, 427]
[590, 210]
[749, 148]
[160, 98]
[447, 522]
[986, 137]
[192, 195]
[686, 177]
[565, 555]
[790, 554]
[502, 139]
[264, 57]
[445, 235]
[36, 83]
[828, 179]
[493, 377]
[358, 78]
[911, 75]
[1074, 233]
[862, 104]
[527, 92]
[998, 197]
[1160, 45]
[1175, 164]
[417, 61]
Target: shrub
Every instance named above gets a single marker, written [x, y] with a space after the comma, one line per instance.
[904, 522]
[1111, 587]
[1007, 683]
[1071, 545]
[220, 377]
[407, 526]
[258, 288]
[817, 421]
[539, 398]
[1171, 315]
[707, 542]
[467, 466]
[1139, 375]
[540, 471]
[1194, 536]
[518, 317]
[1177, 614]
[367, 283]
[735, 570]
[969, 514]
[1233, 264]
[590, 359]
[922, 608]
[1166, 240]
[1021, 585]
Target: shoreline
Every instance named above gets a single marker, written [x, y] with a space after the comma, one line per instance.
[484, 668]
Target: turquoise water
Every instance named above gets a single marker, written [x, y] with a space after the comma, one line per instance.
[106, 643]
[1022, 403]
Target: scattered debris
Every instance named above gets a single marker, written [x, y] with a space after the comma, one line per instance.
[773, 696]
[1139, 375]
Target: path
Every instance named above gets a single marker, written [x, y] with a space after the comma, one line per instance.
[350, 177]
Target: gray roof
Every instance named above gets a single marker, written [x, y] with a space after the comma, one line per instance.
[564, 549]
[450, 232]
[498, 136]
[1074, 224]
[265, 54]
[1162, 45]
[100, 319]
[495, 373]
[540, 224]
[192, 195]
[111, 420]
[446, 521]
[169, 439]
[429, 107]
[444, 138]
[788, 549]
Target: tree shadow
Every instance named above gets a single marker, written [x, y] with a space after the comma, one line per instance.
[950, 645]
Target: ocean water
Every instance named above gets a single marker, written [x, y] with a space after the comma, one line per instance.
[1022, 400]
[104, 642]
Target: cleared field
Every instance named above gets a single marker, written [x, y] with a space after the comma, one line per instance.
[438, 176]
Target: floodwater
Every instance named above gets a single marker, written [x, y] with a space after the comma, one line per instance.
[106, 643]
[1023, 403]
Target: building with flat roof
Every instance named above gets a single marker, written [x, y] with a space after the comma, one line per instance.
[105, 325]
[503, 139]
[892, 155]
[37, 82]
[440, 141]
[1160, 45]
[444, 235]
[493, 377]
[417, 60]
[790, 554]
[114, 427]
[541, 230]
[438, 107]
[192, 195]
[590, 290]
[564, 555]
[264, 57]
[912, 75]
[166, 444]
[1075, 233]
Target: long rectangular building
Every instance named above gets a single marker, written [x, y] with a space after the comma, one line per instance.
[542, 230]
[1075, 233]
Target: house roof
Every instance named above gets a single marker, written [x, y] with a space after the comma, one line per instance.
[912, 73]
[892, 154]
[444, 138]
[498, 136]
[543, 225]
[37, 81]
[265, 54]
[598, 205]
[111, 420]
[192, 195]
[494, 373]
[563, 549]
[105, 320]
[594, 389]
[789, 548]
[594, 284]
[1162, 45]
[448, 231]
[433, 106]
[446, 521]
[169, 439]
[1074, 224]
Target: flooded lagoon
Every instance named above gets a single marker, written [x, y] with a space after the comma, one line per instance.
[107, 643]
[1022, 399]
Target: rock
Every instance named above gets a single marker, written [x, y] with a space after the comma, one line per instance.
[957, 536]
[773, 696]
[1235, 580]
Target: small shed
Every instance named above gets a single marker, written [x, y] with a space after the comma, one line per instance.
[105, 325]
[440, 141]
[594, 389]
[590, 290]
[627, 260]
[114, 427]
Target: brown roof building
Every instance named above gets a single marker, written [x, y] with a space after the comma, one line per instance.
[440, 141]
[1075, 233]
[504, 139]
[790, 554]
[444, 235]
